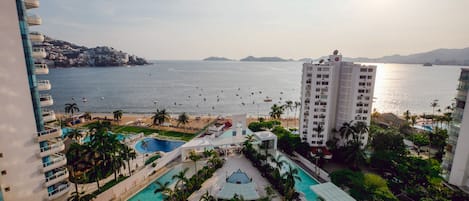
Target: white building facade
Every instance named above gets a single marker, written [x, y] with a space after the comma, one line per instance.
[455, 163]
[332, 93]
[31, 163]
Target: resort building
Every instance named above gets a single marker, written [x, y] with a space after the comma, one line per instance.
[456, 160]
[332, 93]
[31, 163]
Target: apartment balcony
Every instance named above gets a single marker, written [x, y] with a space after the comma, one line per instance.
[43, 85]
[60, 189]
[36, 37]
[39, 53]
[49, 133]
[34, 20]
[59, 176]
[31, 4]
[46, 100]
[41, 69]
[48, 115]
[56, 160]
[52, 148]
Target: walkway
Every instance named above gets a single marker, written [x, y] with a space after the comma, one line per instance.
[232, 163]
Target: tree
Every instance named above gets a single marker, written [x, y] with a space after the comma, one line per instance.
[163, 188]
[290, 176]
[183, 119]
[276, 111]
[346, 131]
[296, 106]
[207, 197]
[160, 116]
[181, 177]
[420, 140]
[278, 162]
[413, 119]
[288, 106]
[407, 115]
[194, 157]
[71, 108]
[128, 154]
[117, 115]
[74, 134]
[74, 158]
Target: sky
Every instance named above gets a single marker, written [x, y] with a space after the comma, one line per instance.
[195, 29]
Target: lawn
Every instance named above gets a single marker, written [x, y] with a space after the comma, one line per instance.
[147, 131]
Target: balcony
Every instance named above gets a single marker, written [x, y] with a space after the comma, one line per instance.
[58, 176]
[43, 85]
[46, 100]
[48, 115]
[56, 161]
[39, 53]
[36, 37]
[34, 20]
[31, 4]
[41, 69]
[49, 133]
[52, 148]
[59, 190]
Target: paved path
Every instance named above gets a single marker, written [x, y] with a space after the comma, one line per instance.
[233, 163]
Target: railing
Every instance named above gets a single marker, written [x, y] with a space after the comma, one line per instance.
[41, 68]
[59, 189]
[31, 4]
[52, 146]
[36, 37]
[43, 85]
[34, 20]
[57, 158]
[48, 131]
[63, 172]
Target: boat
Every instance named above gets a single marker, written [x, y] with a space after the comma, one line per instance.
[267, 99]
[427, 64]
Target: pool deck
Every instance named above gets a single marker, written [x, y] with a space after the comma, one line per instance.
[232, 164]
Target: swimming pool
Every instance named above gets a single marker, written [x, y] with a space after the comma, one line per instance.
[150, 145]
[147, 192]
[306, 180]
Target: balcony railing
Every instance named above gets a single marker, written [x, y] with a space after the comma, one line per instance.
[58, 176]
[31, 4]
[48, 115]
[39, 53]
[46, 100]
[34, 20]
[36, 37]
[56, 160]
[54, 147]
[59, 190]
[49, 133]
[43, 85]
[41, 69]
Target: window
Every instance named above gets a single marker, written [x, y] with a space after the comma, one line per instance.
[313, 135]
[325, 76]
[308, 81]
[313, 142]
[362, 69]
[325, 83]
[370, 70]
[361, 91]
[362, 76]
[317, 89]
[4, 172]
[368, 84]
[366, 104]
[315, 116]
[361, 84]
[318, 76]
[325, 69]
[321, 136]
[1, 155]
[369, 76]
[320, 142]
[7, 189]
[318, 83]
[364, 118]
[309, 74]
[316, 103]
[319, 69]
[315, 123]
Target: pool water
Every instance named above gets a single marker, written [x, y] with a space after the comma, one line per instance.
[153, 145]
[147, 193]
[306, 181]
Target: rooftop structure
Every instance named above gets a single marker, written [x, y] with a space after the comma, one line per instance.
[330, 192]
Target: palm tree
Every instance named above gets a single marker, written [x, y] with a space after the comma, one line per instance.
[413, 120]
[194, 157]
[248, 142]
[360, 129]
[276, 111]
[208, 152]
[290, 175]
[128, 154]
[346, 130]
[278, 162]
[117, 115]
[207, 197]
[183, 119]
[71, 108]
[354, 153]
[74, 158]
[160, 116]
[289, 107]
[181, 177]
[75, 196]
[163, 188]
[407, 115]
[74, 134]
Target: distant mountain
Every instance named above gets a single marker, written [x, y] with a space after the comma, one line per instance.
[275, 59]
[217, 59]
[65, 54]
[438, 57]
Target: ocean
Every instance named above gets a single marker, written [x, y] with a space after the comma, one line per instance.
[224, 88]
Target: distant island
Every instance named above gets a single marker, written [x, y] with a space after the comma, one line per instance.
[65, 54]
[270, 59]
[217, 59]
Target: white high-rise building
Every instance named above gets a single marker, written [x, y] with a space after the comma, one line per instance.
[32, 166]
[455, 163]
[332, 93]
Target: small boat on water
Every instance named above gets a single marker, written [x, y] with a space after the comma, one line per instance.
[427, 64]
[84, 100]
[267, 99]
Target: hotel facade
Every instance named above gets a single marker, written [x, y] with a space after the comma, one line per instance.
[455, 163]
[31, 163]
[332, 93]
